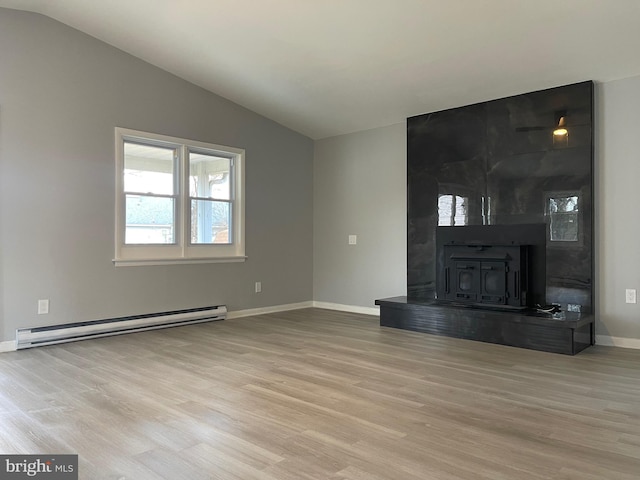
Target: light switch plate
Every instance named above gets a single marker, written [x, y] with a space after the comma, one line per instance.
[43, 307]
[631, 295]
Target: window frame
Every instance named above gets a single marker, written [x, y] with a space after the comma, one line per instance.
[182, 250]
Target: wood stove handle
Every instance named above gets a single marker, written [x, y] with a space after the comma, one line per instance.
[446, 280]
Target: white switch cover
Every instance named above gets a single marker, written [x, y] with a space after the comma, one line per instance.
[353, 239]
[43, 307]
[258, 287]
[631, 295]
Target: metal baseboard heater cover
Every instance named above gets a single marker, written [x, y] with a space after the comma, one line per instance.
[71, 332]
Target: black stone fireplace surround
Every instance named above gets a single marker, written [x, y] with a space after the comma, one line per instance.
[503, 169]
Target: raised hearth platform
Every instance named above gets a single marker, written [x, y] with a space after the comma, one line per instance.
[566, 332]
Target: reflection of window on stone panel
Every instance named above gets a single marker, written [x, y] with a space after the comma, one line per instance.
[563, 218]
[452, 210]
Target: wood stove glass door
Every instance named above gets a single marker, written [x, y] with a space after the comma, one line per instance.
[467, 281]
[493, 282]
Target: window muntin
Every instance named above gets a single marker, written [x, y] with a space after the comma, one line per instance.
[177, 200]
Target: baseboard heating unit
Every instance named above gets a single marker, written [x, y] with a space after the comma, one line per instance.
[71, 332]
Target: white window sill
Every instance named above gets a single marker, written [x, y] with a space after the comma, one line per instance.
[177, 261]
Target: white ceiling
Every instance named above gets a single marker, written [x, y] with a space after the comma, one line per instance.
[329, 67]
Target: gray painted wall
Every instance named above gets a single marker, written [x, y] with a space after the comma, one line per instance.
[617, 215]
[360, 188]
[61, 95]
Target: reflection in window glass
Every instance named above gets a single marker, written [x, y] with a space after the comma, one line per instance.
[563, 218]
[452, 210]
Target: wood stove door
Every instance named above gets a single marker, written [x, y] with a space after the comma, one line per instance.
[493, 282]
[466, 283]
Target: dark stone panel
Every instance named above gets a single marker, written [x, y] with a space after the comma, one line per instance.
[583, 337]
[567, 333]
[449, 136]
[501, 161]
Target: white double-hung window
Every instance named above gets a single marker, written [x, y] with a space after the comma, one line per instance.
[177, 201]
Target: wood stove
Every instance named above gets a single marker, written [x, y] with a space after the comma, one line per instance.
[489, 275]
[491, 266]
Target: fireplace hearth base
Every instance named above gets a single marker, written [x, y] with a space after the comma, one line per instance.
[568, 332]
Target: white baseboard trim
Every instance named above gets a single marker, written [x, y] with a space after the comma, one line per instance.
[375, 311]
[274, 309]
[8, 346]
[622, 342]
[297, 306]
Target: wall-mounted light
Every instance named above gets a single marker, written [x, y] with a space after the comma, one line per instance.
[560, 132]
[561, 121]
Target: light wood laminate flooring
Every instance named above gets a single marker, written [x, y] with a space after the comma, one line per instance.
[318, 394]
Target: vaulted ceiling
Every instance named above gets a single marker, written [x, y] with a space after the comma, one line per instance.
[330, 67]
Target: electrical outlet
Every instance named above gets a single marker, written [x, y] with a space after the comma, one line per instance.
[258, 287]
[353, 239]
[43, 307]
[631, 295]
